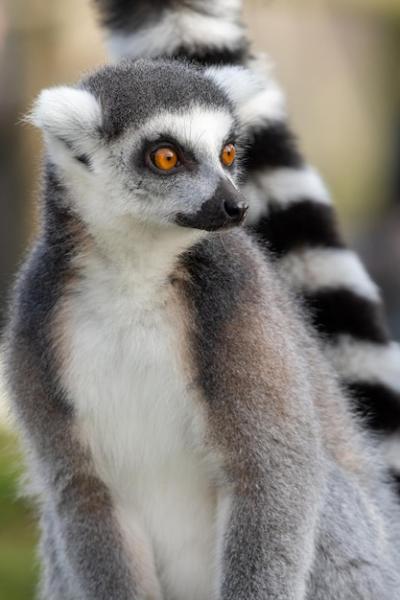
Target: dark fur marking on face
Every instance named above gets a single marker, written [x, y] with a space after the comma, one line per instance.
[185, 155]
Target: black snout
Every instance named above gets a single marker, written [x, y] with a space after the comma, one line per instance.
[235, 210]
[225, 209]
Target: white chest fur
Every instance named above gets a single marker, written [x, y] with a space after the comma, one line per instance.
[143, 423]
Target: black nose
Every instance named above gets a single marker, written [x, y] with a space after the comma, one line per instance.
[235, 210]
[223, 210]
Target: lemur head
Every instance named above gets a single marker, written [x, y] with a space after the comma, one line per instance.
[157, 142]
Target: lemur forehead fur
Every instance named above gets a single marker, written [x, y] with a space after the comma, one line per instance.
[186, 437]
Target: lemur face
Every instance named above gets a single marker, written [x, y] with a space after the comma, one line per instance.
[155, 142]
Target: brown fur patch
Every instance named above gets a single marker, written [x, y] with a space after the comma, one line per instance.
[270, 382]
[80, 239]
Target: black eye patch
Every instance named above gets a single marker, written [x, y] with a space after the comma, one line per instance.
[187, 158]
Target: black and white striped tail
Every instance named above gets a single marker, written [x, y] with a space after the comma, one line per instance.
[290, 208]
[204, 30]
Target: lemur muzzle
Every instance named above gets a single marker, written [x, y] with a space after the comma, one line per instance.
[225, 209]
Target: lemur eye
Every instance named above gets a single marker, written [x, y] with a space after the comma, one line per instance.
[165, 159]
[228, 155]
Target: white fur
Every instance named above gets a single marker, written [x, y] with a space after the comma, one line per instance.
[287, 186]
[258, 98]
[201, 129]
[380, 364]
[256, 199]
[177, 28]
[284, 187]
[223, 8]
[138, 412]
[266, 107]
[327, 268]
[222, 524]
[67, 114]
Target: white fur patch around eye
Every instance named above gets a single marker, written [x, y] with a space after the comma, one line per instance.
[201, 130]
[257, 98]
[66, 113]
[183, 27]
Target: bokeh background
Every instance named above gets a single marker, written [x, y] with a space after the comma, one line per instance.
[339, 62]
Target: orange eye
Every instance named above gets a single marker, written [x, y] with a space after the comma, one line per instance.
[228, 155]
[165, 159]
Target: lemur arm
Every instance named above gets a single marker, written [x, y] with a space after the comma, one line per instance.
[86, 525]
[272, 528]
[93, 546]
[267, 551]
[262, 422]
[291, 210]
[76, 500]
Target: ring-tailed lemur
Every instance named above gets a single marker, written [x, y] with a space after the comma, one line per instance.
[290, 208]
[186, 437]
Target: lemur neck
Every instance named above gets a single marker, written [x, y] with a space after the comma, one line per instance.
[137, 255]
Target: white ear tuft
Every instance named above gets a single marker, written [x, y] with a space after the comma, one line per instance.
[68, 114]
[255, 95]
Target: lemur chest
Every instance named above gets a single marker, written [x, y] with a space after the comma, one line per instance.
[140, 415]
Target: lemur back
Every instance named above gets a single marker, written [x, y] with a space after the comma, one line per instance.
[185, 437]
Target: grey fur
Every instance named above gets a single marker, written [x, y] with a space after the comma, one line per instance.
[356, 549]
[74, 505]
[305, 519]
[133, 91]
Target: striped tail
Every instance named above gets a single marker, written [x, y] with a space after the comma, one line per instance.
[290, 208]
[204, 30]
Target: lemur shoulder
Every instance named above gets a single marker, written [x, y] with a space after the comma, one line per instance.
[185, 436]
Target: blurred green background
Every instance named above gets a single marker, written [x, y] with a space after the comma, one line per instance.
[18, 567]
[339, 62]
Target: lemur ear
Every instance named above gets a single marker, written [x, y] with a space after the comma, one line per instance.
[70, 115]
[255, 95]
